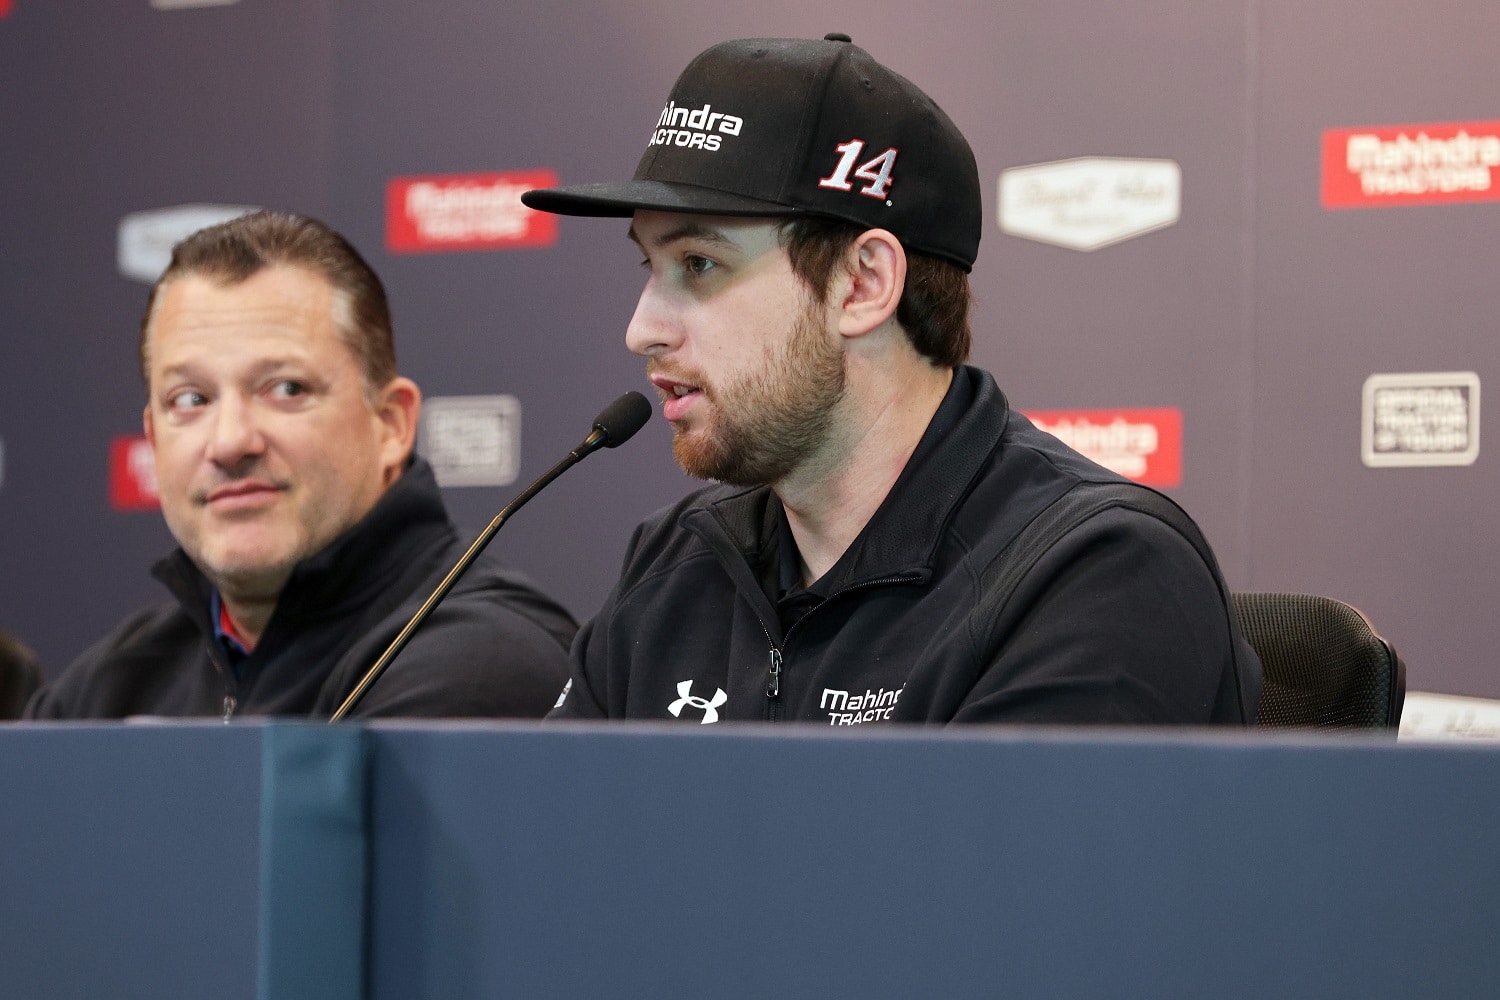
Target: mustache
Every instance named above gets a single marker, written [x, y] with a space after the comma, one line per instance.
[682, 376]
[251, 479]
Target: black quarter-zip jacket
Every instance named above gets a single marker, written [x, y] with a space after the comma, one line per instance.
[496, 646]
[1124, 619]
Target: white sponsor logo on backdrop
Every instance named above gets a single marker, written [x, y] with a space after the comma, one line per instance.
[472, 440]
[1428, 716]
[1090, 202]
[146, 238]
[1421, 418]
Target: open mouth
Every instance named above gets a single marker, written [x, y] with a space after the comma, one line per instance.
[677, 397]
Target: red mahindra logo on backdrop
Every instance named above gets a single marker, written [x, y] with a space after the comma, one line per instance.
[1411, 164]
[132, 474]
[466, 212]
[5, 8]
[1144, 445]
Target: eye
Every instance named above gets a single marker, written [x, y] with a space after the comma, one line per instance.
[697, 266]
[186, 400]
[288, 388]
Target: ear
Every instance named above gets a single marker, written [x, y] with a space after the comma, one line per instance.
[397, 409]
[149, 424]
[874, 280]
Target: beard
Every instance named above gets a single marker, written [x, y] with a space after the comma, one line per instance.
[771, 419]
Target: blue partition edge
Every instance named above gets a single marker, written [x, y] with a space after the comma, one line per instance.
[313, 863]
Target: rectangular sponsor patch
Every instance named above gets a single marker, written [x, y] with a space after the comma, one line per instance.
[472, 440]
[1420, 418]
[460, 212]
[1141, 444]
[132, 474]
[1387, 165]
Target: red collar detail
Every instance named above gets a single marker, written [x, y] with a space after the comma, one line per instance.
[227, 626]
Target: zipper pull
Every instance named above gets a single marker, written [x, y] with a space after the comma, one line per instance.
[229, 704]
[773, 682]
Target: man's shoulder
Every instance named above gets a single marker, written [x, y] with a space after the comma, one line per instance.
[492, 585]
[144, 633]
[495, 646]
[150, 641]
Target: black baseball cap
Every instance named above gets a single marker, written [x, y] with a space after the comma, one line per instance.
[791, 126]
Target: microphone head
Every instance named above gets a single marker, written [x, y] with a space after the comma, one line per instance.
[621, 419]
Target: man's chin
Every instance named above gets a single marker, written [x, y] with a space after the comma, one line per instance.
[697, 457]
[246, 578]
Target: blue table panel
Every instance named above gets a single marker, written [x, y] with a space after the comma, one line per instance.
[665, 862]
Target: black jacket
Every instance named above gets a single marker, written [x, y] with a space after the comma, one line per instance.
[1121, 621]
[495, 647]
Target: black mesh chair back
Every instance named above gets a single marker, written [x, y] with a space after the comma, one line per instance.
[1325, 666]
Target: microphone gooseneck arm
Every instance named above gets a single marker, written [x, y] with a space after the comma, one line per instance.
[613, 427]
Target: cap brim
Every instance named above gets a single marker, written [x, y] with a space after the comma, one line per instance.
[623, 198]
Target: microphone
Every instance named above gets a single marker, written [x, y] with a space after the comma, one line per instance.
[614, 425]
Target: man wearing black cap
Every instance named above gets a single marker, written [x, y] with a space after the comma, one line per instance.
[888, 540]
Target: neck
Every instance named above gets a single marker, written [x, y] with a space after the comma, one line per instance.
[250, 617]
[831, 498]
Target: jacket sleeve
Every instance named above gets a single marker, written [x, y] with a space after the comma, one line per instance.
[1120, 622]
[127, 672]
[578, 700]
[477, 656]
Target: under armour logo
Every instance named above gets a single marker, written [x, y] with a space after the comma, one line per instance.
[710, 708]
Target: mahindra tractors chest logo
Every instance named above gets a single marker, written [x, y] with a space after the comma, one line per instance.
[1144, 445]
[457, 212]
[1438, 164]
[132, 474]
[1091, 202]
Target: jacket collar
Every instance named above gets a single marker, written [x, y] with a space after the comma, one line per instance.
[408, 523]
[902, 537]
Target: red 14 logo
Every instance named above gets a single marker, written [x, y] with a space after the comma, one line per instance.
[877, 171]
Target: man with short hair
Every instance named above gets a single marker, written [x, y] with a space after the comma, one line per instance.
[309, 531]
[889, 541]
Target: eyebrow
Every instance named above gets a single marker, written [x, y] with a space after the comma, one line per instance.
[690, 230]
[258, 370]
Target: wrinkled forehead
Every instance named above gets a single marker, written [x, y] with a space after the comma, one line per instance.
[293, 303]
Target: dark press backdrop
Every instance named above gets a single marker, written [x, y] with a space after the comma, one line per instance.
[1243, 249]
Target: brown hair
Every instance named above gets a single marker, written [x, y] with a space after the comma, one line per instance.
[233, 251]
[934, 307]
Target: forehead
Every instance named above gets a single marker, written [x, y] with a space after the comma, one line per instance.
[653, 230]
[288, 305]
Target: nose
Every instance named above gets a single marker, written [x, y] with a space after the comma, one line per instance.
[236, 434]
[653, 329]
